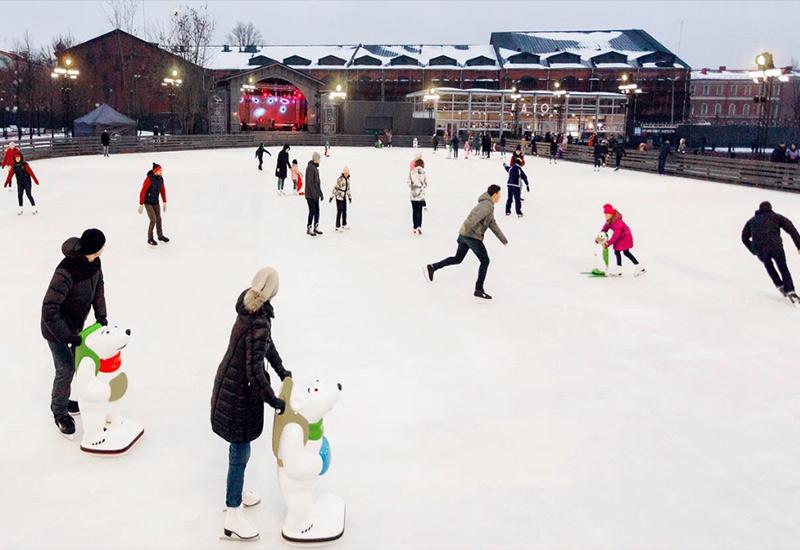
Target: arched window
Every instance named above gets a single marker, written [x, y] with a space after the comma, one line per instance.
[703, 109]
[746, 109]
[732, 109]
[717, 109]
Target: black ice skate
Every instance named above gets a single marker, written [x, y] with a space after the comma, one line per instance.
[481, 296]
[73, 409]
[428, 272]
[66, 425]
[163, 239]
[152, 242]
[780, 289]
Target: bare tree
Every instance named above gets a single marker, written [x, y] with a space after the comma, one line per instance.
[61, 42]
[188, 33]
[121, 14]
[244, 34]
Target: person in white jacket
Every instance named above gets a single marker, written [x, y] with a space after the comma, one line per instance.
[417, 183]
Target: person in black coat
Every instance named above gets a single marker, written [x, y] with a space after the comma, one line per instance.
[105, 141]
[454, 144]
[619, 152]
[313, 195]
[553, 149]
[76, 287]
[761, 236]
[283, 167]
[597, 153]
[260, 155]
[242, 387]
[663, 152]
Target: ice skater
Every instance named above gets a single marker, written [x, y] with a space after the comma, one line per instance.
[621, 240]
[417, 184]
[597, 154]
[761, 236]
[76, 288]
[619, 152]
[297, 179]
[515, 174]
[553, 159]
[435, 142]
[154, 189]
[415, 143]
[313, 195]
[470, 237]
[260, 155]
[454, 143]
[105, 141]
[22, 171]
[341, 192]
[502, 145]
[282, 167]
[241, 388]
[663, 153]
[327, 148]
[9, 154]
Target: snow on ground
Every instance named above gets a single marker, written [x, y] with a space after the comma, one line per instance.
[651, 412]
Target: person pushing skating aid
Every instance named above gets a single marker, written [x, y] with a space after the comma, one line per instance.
[621, 239]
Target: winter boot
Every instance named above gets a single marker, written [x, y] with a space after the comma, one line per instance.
[317, 231]
[163, 239]
[250, 498]
[428, 271]
[481, 295]
[66, 425]
[309, 232]
[73, 409]
[236, 527]
[152, 242]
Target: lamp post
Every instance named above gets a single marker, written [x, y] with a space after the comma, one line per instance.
[247, 90]
[766, 75]
[331, 119]
[632, 89]
[515, 97]
[66, 75]
[431, 101]
[562, 94]
[172, 83]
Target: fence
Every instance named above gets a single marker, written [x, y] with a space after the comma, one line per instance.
[720, 169]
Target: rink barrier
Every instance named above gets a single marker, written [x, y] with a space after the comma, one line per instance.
[47, 147]
[754, 173]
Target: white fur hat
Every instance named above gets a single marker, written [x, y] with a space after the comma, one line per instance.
[263, 288]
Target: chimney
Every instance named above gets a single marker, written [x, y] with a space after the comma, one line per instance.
[722, 68]
[704, 70]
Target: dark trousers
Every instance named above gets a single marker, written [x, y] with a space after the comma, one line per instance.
[515, 195]
[154, 213]
[628, 254]
[238, 455]
[313, 211]
[455, 152]
[465, 244]
[341, 212]
[781, 277]
[416, 213]
[617, 160]
[661, 164]
[64, 362]
[24, 189]
[260, 162]
[280, 183]
[435, 146]
[598, 162]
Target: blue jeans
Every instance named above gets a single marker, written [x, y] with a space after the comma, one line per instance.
[514, 195]
[238, 455]
[465, 244]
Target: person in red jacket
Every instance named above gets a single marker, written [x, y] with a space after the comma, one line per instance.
[22, 170]
[9, 154]
[153, 188]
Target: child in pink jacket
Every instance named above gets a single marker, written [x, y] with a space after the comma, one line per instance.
[621, 239]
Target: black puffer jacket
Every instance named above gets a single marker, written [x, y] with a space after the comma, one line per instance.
[283, 166]
[242, 384]
[762, 232]
[76, 287]
[312, 183]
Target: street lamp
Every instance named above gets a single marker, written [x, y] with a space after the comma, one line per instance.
[766, 75]
[338, 94]
[66, 75]
[515, 97]
[634, 90]
[431, 101]
[172, 83]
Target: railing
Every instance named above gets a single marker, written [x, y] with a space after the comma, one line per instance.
[46, 147]
[757, 173]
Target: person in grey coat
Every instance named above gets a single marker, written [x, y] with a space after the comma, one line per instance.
[470, 237]
[313, 196]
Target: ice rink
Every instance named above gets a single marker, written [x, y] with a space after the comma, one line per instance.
[656, 412]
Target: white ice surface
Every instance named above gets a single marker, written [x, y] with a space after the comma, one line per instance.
[659, 412]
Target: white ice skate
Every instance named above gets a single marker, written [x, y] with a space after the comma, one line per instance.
[339, 230]
[236, 526]
[35, 211]
[614, 271]
[19, 212]
[346, 227]
[250, 498]
[639, 270]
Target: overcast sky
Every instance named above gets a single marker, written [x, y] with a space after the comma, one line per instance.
[713, 32]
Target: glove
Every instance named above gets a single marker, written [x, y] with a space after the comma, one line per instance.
[140, 209]
[74, 341]
[279, 405]
[102, 320]
[528, 188]
[350, 200]
[330, 199]
[286, 374]
[321, 198]
[165, 207]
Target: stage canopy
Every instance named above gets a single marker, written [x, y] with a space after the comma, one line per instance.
[104, 118]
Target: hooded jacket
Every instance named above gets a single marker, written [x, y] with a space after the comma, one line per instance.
[622, 239]
[480, 219]
[76, 287]
[242, 384]
[8, 156]
[341, 190]
[313, 186]
[762, 233]
[152, 188]
[515, 173]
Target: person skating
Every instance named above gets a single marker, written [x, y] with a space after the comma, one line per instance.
[435, 142]
[9, 154]
[23, 172]
[515, 174]
[154, 189]
[327, 148]
[76, 288]
[297, 179]
[470, 237]
[417, 184]
[454, 144]
[415, 143]
[503, 144]
[341, 192]
[241, 388]
[313, 195]
[282, 167]
[553, 151]
[621, 239]
[597, 154]
[761, 236]
[260, 155]
[664, 152]
[105, 141]
[619, 152]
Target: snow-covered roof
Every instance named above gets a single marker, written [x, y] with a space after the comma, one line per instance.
[236, 59]
[486, 91]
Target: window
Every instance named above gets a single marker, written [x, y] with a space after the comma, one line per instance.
[732, 109]
[703, 109]
[748, 91]
[746, 109]
[717, 109]
[776, 90]
[691, 109]
[706, 89]
[697, 89]
[720, 90]
[734, 90]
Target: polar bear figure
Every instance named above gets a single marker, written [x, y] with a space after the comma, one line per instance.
[99, 385]
[303, 454]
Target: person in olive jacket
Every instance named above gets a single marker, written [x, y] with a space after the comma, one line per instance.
[242, 386]
[313, 195]
[76, 288]
[470, 237]
[761, 236]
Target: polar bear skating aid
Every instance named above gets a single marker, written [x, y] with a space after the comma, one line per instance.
[100, 384]
[303, 454]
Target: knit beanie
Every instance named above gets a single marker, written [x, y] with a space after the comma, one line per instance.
[156, 166]
[608, 209]
[92, 241]
[315, 157]
[262, 289]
